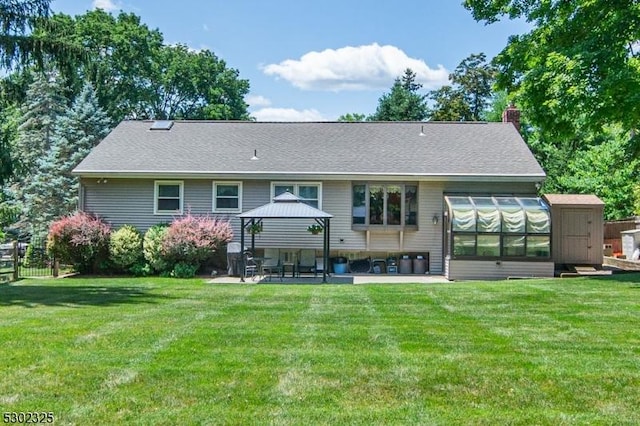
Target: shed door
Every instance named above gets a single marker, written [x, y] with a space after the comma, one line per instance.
[576, 235]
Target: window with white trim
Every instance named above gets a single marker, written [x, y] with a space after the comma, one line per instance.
[310, 192]
[378, 205]
[227, 197]
[168, 197]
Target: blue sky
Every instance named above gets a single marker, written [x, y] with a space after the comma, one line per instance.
[317, 60]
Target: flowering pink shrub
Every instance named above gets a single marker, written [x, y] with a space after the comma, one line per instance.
[81, 239]
[193, 239]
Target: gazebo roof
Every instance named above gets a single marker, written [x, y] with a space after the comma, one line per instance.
[285, 206]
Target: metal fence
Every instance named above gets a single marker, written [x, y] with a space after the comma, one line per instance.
[35, 261]
[26, 260]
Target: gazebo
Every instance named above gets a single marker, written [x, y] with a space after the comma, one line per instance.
[285, 206]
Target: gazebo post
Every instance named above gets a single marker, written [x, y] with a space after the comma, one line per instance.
[325, 254]
[242, 265]
[253, 238]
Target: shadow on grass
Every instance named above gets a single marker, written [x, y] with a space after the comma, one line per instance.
[31, 296]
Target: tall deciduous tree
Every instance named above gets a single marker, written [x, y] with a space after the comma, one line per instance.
[403, 102]
[468, 95]
[579, 67]
[136, 75]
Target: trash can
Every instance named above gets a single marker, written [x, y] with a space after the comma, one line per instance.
[421, 264]
[340, 265]
[234, 267]
[404, 266]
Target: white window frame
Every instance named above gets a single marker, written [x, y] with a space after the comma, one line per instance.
[296, 186]
[215, 208]
[156, 194]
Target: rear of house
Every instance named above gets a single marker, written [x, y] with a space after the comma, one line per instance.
[459, 196]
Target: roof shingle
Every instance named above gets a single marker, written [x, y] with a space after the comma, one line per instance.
[314, 148]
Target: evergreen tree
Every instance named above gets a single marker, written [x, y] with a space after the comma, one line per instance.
[44, 104]
[403, 103]
[53, 191]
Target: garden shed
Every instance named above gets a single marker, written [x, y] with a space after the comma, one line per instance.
[578, 229]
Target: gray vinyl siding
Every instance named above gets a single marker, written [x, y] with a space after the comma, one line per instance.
[131, 201]
[489, 270]
[491, 187]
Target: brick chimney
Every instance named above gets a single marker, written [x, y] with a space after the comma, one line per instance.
[512, 115]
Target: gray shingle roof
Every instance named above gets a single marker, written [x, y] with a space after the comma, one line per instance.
[313, 148]
[286, 206]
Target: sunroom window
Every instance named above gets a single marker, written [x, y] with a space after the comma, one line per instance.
[384, 205]
[498, 227]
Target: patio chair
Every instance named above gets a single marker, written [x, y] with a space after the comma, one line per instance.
[250, 265]
[307, 262]
[272, 266]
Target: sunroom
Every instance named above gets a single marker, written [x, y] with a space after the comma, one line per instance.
[497, 236]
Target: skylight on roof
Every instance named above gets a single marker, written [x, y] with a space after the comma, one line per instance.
[161, 125]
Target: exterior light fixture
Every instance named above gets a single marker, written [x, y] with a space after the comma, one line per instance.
[421, 132]
[255, 154]
[102, 180]
[435, 219]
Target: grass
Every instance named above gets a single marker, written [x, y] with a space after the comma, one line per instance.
[166, 351]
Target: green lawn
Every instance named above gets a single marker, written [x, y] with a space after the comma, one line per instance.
[166, 351]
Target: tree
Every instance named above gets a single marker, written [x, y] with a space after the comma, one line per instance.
[467, 97]
[351, 117]
[403, 102]
[577, 69]
[136, 76]
[52, 191]
[195, 85]
[17, 44]
[606, 169]
[43, 106]
[20, 45]
[44, 103]
[449, 104]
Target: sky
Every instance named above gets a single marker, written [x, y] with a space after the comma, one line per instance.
[315, 60]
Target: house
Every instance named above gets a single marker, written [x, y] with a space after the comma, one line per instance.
[459, 196]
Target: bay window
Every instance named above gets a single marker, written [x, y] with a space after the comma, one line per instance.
[384, 205]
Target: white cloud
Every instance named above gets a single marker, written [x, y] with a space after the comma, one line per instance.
[257, 101]
[355, 68]
[106, 5]
[287, 114]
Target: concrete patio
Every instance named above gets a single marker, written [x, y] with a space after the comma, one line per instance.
[335, 279]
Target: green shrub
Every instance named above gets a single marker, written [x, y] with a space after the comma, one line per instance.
[152, 248]
[35, 256]
[184, 270]
[125, 248]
